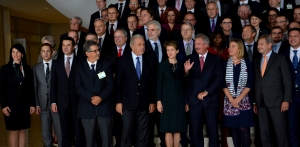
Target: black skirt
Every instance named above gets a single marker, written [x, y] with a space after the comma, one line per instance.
[19, 118]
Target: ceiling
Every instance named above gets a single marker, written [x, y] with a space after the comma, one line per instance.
[38, 10]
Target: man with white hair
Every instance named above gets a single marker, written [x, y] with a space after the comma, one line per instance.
[101, 4]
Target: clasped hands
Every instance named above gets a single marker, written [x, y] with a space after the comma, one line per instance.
[235, 102]
[96, 100]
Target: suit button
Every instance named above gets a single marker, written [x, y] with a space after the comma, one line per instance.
[139, 84]
[137, 93]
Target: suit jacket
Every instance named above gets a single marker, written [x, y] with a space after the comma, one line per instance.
[141, 31]
[149, 51]
[119, 25]
[80, 45]
[92, 19]
[11, 92]
[255, 52]
[107, 44]
[255, 7]
[284, 11]
[113, 56]
[41, 86]
[210, 80]
[172, 3]
[140, 93]
[63, 91]
[126, 11]
[88, 85]
[284, 47]
[206, 27]
[276, 85]
[224, 9]
[181, 56]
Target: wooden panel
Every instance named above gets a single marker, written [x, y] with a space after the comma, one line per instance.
[28, 26]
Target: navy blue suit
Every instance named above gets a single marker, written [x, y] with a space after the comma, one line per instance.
[210, 79]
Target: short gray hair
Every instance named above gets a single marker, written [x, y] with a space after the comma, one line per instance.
[212, 2]
[189, 24]
[204, 37]
[132, 39]
[156, 23]
[78, 18]
[267, 37]
[50, 39]
[99, 19]
[123, 30]
[249, 9]
[87, 45]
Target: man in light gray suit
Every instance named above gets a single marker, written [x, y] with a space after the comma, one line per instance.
[41, 73]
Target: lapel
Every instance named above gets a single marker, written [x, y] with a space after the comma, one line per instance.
[271, 61]
[206, 62]
[62, 66]
[98, 67]
[197, 63]
[42, 72]
[87, 69]
[132, 67]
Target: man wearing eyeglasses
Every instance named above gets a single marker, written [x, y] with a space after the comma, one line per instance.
[278, 45]
[101, 4]
[283, 22]
[94, 84]
[133, 6]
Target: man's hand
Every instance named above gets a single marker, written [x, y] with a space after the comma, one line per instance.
[119, 108]
[201, 95]
[152, 108]
[255, 109]
[96, 100]
[159, 106]
[38, 110]
[54, 108]
[284, 106]
[32, 110]
[6, 111]
[187, 66]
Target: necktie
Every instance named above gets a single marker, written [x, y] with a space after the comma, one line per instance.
[138, 67]
[120, 9]
[18, 72]
[120, 52]
[68, 67]
[112, 29]
[295, 59]
[249, 52]
[274, 48]
[264, 65]
[143, 4]
[245, 22]
[188, 49]
[99, 43]
[156, 50]
[201, 63]
[178, 5]
[213, 25]
[93, 69]
[161, 13]
[47, 72]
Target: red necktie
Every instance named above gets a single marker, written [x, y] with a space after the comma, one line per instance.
[201, 63]
[120, 52]
[161, 14]
[112, 32]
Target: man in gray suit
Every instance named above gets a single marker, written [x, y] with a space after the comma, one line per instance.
[41, 73]
[273, 91]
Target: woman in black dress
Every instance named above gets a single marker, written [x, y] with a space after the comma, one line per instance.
[170, 97]
[17, 95]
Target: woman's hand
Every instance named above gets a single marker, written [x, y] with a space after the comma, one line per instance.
[159, 106]
[235, 102]
[6, 111]
[187, 108]
[32, 110]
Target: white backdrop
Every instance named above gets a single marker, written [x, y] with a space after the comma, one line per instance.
[81, 8]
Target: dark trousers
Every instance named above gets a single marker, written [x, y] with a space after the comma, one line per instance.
[140, 119]
[241, 137]
[294, 120]
[184, 140]
[211, 113]
[117, 128]
[267, 116]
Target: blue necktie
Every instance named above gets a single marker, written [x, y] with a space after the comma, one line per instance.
[138, 67]
[156, 51]
[295, 59]
[274, 48]
[93, 69]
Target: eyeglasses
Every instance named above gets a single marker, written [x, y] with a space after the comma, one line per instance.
[280, 22]
[226, 23]
[95, 51]
[274, 15]
[276, 33]
[133, 3]
[104, 15]
[112, 13]
[188, 20]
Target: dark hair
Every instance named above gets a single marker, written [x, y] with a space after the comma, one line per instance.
[286, 18]
[21, 49]
[225, 17]
[46, 44]
[276, 27]
[149, 10]
[165, 15]
[190, 13]
[252, 28]
[273, 9]
[133, 15]
[214, 35]
[171, 43]
[87, 45]
[112, 6]
[294, 29]
[70, 39]
[255, 14]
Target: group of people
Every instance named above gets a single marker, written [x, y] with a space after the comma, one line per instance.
[178, 64]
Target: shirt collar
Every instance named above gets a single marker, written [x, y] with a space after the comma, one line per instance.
[123, 47]
[151, 41]
[203, 55]
[90, 63]
[50, 62]
[72, 55]
[245, 2]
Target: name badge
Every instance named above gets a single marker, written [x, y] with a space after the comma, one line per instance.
[289, 6]
[101, 75]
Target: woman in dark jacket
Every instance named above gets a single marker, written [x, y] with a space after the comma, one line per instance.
[17, 95]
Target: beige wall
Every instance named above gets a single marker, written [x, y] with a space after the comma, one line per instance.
[2, 51]
[57, 29]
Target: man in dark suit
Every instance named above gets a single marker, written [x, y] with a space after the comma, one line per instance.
[278, 45]
[75, 24]
[78, 51]
[250, 47]
[159, 10]
[285, 7]
[223, 8]
[211, 23]
[124, 11]
[273, 87]
[186, 44]
[296, 14]
[136, 101]
[242, 19]
[42, 82]
[132, 24]
[94, 84]
[105, 41]
[101, 4]
[283, 22]
[63, 97]
[204, 76]
[254, 6]
[178, 4]
[113, 22]
[133, 6]
[292, 54]
[191, 7]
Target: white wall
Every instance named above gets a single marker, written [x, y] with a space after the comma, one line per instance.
[81, 8]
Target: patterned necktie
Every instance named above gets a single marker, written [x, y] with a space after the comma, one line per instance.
[178, 5]
[161, 13]
[93, 69]
[213, 25]
[112, 29]
[249, 52]
[68, 67]
[295, 59]
[156, 50]
[245, 22]
[120, 52]
[188, 49]
[99, 43]
[47, 72]
[138, 68]
[264, 65]
[201, 63]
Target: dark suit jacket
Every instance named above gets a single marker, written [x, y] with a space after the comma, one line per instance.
[149, 51]
[126, 11]
[181, 56]
[133, 93]
[11, 92]
[172, 3]
[80, 45]
[283, 47]
[206, 28]
[284, 11]
[119, 25]
[255, 52]
[92, 19]
[88, 85]
[224, 9]
[255, 7]
[210, 80]
[163, 34]
[108, 43]
[62, 91]
[276, 84]
[113, 56]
